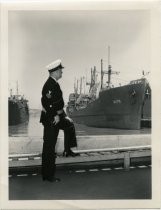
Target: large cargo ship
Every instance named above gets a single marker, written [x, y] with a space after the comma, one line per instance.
[18, 110]
[123, 107]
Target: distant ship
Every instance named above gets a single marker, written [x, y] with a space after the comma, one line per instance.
[123, 107]
[18, 110]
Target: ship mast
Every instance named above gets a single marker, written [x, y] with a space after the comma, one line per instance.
[80, 85]
[109, 72]
[102, 73]
[75, 86]
[17, 88]
[11, 92]
[109, 68]
[84, 85]
[94, 74]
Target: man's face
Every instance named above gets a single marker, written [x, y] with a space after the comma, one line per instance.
[59, 73]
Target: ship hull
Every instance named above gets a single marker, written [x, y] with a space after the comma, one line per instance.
[122, 107]
[18, 112]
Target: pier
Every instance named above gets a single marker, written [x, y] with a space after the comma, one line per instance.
[26, 151]
[109, 161]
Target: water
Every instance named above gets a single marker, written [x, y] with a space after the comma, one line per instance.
[34, 128]
[31, 128]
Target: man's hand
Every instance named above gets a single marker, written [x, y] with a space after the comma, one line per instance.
[56, 120]
[68, 118]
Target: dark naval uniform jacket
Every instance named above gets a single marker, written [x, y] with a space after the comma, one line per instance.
[52, 102]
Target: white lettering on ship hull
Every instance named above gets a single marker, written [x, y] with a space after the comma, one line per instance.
[117, 101]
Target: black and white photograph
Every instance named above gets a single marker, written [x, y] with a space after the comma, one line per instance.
[81, 113]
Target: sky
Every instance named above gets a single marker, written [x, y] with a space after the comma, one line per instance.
[80, 39]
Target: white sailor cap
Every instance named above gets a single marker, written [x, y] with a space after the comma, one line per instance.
[55, 65]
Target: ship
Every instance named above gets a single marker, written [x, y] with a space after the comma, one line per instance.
[18, 109]
[123, 107]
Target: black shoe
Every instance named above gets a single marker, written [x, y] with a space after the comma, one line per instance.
[70, 153]
[51, 179]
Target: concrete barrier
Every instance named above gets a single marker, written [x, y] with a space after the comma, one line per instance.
[22, 145]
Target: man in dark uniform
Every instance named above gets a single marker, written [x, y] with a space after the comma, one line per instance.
[54, 118]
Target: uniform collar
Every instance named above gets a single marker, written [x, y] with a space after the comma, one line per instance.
[53, 78]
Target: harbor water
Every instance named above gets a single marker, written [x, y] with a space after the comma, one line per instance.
[33, 128]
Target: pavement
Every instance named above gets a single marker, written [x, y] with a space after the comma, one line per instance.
[111, 166]
[27, 152]
[84, 183]
[22, 144]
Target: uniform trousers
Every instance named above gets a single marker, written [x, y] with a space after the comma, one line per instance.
[49, 141]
